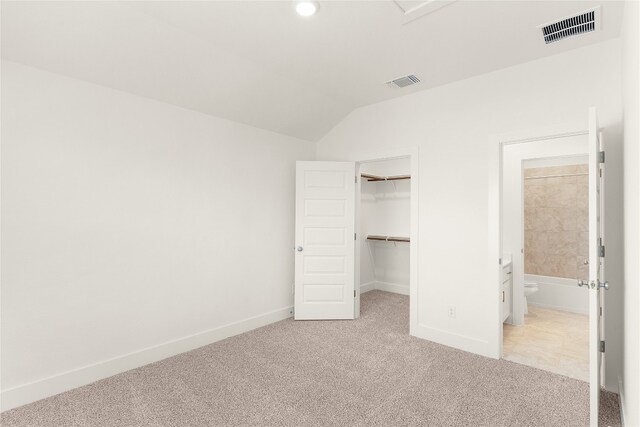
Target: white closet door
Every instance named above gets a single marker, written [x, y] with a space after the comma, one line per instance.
[325, 240]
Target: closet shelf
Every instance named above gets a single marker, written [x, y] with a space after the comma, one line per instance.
[388, 238]
[384, 178]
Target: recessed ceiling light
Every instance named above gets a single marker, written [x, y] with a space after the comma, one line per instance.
[306, 7]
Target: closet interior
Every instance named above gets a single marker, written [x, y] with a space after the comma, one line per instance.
[385, 215]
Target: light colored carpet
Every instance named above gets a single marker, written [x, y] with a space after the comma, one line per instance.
[363, 372]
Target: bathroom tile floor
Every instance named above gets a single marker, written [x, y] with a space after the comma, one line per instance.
[553, 340]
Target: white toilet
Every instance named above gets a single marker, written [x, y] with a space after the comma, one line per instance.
[530, 288]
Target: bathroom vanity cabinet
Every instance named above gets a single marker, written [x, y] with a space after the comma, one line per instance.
[507, 290]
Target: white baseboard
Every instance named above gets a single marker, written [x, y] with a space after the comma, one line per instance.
[393, 287]
[46, 387]
[384, 286]
[621, 400]
[458, 341]
[366, 287]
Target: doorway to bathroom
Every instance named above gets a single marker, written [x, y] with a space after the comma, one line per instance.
[548, 239]
[546, 234]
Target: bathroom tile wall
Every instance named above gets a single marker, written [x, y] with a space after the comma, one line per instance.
[556, 221]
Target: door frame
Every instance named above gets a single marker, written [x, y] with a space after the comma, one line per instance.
[413, 155]
[495, 234]
[496, 144]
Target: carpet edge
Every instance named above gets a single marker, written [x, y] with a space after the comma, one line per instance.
[65, 381]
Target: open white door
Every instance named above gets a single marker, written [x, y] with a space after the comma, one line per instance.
[325, 241]
[596, 267]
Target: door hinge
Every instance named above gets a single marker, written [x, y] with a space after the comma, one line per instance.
[600, 311]
[601, 156]
[356, 179]
[601, 251]
[354, 293]
[601, 346]
[355, 236]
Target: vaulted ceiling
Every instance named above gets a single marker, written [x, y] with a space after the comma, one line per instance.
[259, 63]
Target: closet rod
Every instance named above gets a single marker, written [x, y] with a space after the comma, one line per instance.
[388, 238]
[384, 178]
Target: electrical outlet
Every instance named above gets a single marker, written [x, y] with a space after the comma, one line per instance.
[452, 311]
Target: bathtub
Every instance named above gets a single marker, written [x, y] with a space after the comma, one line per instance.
[559, 294]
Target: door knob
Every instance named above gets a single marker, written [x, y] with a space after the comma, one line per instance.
[299, 249]
[582, 283]
[604, 285]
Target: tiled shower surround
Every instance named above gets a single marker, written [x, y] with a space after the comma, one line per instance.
[556, 221]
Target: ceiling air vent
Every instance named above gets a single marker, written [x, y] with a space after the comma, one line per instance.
[403, 81]
[583, 23]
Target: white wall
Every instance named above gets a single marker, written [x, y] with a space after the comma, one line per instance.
[451, 125]
[127, 224]
[512, 204]
[630, 391]
[385, 210]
